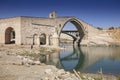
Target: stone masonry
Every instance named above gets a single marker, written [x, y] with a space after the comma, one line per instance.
[39, 31]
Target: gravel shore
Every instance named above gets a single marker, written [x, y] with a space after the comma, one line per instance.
[14, 66]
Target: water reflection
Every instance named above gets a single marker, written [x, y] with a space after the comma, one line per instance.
[74, 59]
[86, 59]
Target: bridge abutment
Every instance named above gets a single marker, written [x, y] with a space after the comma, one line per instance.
[76, 41]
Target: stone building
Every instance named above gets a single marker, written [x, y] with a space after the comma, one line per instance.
[26, 30]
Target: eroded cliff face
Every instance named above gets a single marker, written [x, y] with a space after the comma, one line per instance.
[115, 35]
[106, 38]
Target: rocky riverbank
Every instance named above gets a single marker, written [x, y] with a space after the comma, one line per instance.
[16, 65]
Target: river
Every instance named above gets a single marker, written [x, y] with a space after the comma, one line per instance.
[86, 59]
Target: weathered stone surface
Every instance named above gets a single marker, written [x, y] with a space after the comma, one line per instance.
[30, 30]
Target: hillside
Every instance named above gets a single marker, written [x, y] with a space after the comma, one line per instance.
[115, 35]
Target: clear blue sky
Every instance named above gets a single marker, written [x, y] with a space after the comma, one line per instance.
[99, 13]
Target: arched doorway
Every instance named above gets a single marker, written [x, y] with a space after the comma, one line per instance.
[43, 39]
[74, 29]
[9, 36]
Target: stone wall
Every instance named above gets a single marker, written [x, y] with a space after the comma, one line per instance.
[35, 26]
[13, 23]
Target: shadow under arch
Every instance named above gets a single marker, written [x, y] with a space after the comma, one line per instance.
[77, 24]
[79, 55]
[10, 36]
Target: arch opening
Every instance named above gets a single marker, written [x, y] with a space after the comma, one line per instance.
[64, 37]
[43, 39]
[10, 36]
[73, 29]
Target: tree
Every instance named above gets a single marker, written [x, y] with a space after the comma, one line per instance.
[99, 28]
[111, 28]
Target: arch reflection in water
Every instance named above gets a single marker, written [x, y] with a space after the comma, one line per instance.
[72, 59]
[87, 59]
[92, 59]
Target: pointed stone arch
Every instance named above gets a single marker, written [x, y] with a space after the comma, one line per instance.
[43, 39]
[80, 28]
[75, 22]
[10, 35]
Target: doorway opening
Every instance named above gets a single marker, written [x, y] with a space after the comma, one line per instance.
[9, 36]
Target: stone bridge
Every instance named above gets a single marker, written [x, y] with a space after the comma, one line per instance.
[75, 35]
[26, 30]
[72, 33]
